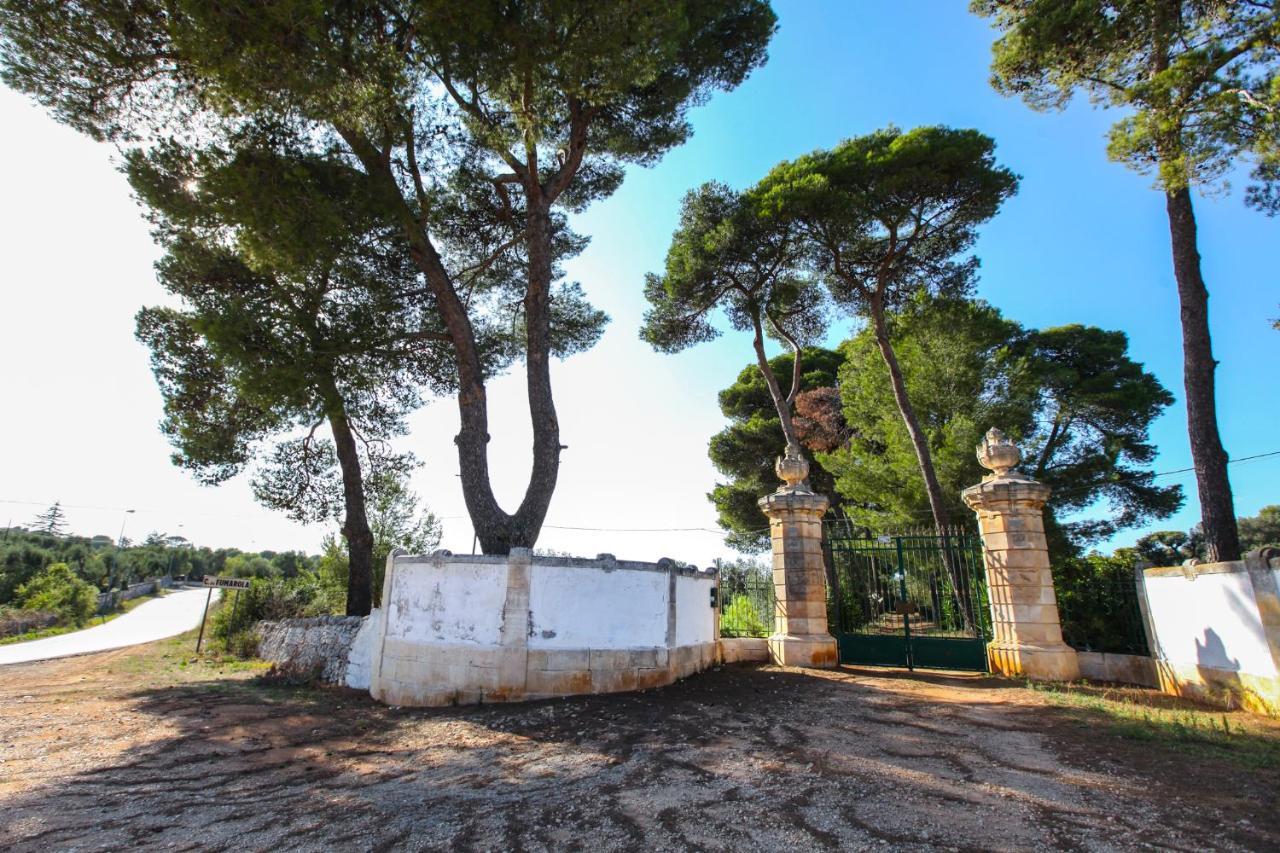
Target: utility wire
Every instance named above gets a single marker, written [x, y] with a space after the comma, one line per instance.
[1079, 490]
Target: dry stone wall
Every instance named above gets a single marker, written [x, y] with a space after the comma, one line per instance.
[319, 647]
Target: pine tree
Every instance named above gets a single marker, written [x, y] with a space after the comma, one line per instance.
[52, 521]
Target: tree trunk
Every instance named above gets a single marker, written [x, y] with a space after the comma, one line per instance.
[493, 527]
[355, 524]
[527, 522]
[781, 403]
[941, 518]
[1217, 509]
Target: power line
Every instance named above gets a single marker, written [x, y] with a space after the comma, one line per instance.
[1078, 490]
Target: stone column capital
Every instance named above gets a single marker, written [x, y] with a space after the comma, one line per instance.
[1007, 493]
[783, 502]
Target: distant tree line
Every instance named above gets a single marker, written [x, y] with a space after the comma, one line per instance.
[100, 562]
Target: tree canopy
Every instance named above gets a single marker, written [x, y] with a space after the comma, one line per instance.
[887, 216]
[744, 451]
[729, 255]
[472, 127]
[1078, 406]
[1197, 87]
[1195, 80]
[1261, 530]
[52, 521]
[293, 318]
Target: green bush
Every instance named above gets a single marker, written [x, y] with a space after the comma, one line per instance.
[57, 589]
[740, 619]
[14, 621]
[271, 599]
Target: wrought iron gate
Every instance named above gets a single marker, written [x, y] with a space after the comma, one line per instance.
[914, 600]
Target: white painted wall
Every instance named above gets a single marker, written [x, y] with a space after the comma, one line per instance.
[360, 657]
[1211, 621]
[447, 602]
[695, 618]
[588, 608]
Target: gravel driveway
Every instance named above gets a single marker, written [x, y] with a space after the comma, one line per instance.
[143, 749]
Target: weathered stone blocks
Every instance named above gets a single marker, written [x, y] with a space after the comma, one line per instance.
[800, 635]
[1027, 634]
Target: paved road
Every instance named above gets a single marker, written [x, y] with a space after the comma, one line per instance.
[154, 620]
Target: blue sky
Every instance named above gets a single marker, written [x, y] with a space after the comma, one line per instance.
[1085, 241]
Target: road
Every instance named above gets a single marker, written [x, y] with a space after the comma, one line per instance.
[154, 620]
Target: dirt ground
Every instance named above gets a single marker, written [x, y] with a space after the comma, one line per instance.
[138, 748]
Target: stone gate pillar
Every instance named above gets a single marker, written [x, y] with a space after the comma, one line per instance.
[1027, 639]
[800, 636]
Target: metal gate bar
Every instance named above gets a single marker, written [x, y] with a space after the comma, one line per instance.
[910, 600]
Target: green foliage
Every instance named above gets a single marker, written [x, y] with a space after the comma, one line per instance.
[1094, 410]
[955, 361]
[249, 566]
[98, 562]
[1196, 81]
[301, 320]
[1132, 714]
[15, 621]
[52, 521]
[1262, 529]
[1165, 548]
[57, 589]
[1079, 407]
[277, 598]
[467, 130]
[397, 521]
[1098, 603]
[889, 214]
[741, 619]
[729, 254]
[744, 452]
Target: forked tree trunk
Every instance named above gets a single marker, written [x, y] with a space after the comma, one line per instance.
[496, 530]
[355, 522]
[526, 524]
[1217, 509]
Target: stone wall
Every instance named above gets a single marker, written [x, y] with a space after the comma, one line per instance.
[320, 647]
[1122, 669]
[107, 600]
[467, 629]
[744, 650]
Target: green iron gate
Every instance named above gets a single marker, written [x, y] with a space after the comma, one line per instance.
[914, 600]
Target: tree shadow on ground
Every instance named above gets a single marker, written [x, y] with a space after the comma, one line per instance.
[736, 758]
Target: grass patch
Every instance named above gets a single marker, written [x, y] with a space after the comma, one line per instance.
[1145, 716]
[55, 630]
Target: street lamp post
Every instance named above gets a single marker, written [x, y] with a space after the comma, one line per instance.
[115, 558]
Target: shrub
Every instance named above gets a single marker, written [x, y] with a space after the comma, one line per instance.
[57, 589]
[14, 621]
[740, 619]
[272, 599]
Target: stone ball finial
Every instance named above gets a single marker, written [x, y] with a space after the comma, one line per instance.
[793, 468]
[998, 454]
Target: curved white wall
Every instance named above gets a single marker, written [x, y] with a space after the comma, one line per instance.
[485, 629]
